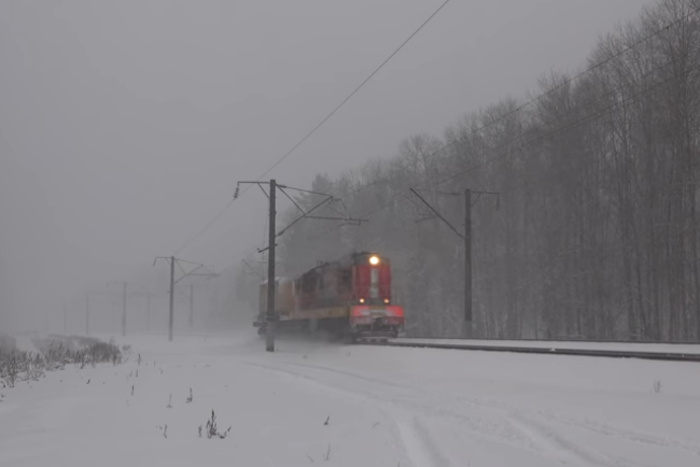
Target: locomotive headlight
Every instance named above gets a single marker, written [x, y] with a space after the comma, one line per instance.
[374, 260]
[362, 300]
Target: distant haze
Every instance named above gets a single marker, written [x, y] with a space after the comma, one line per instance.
[124, 126]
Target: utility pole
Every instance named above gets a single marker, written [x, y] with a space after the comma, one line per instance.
[143, 292]
[87, 314]
[124, 286]
[271, 315]
[172, 299]
[148, 312]
[468, 326]
[191, 305]
[173, 282]
[124, 310]
[468, 329]
[271, 283]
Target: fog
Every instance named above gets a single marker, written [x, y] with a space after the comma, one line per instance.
[124, 126]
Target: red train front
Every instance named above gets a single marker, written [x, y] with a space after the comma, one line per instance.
[349, 296]
[372, 313]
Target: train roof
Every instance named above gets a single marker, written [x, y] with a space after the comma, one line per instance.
[346, 259]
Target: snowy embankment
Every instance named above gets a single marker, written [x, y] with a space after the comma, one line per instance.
[317, 403]
[663, 348]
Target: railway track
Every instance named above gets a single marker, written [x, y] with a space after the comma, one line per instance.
[646, 351]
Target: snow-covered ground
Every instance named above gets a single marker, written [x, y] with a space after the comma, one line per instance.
[553, 345]
[384, 406]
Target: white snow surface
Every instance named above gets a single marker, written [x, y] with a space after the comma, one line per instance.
[385, 406]
[693, 349]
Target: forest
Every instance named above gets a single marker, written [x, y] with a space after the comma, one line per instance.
[595, 231]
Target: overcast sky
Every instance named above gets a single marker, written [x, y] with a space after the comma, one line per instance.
[124, 125]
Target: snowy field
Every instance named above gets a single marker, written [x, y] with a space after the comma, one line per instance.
[335, 405]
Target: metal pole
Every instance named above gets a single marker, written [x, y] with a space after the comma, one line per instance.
[271, 283]
[87, 314]
[467, 263]
[172, 298]
[191, 305]
[124, 311]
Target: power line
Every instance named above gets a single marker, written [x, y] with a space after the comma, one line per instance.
[582, 121]
[206, 227]
[591, 68]
[355, 91]
[564, 83]
[567, 127]
[590, 118]
[319, 125]
[526, 104]
[561, 85]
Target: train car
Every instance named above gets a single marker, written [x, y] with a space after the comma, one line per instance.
[350, 297]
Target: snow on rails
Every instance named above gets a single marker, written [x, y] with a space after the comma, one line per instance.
[646, 351]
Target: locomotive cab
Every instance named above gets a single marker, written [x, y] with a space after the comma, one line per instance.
[372, 284]
[373, 314]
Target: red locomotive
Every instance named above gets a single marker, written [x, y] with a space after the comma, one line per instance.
[350, 297]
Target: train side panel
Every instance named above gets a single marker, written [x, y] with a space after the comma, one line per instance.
[284, 298]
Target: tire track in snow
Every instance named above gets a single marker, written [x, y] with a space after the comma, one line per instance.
[369, 379]
[560, 447]
[411, 436]
[420, 444]
[629, 435]
[414, 434]
[541, 419]
[643, 438]
[394, 428]
[529, 432]
[430, 406]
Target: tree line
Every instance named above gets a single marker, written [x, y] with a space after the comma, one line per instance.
[596, 232]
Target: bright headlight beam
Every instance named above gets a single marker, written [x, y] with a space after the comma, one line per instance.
[374, 260]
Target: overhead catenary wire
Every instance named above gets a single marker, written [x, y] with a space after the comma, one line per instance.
[539, 97]
[549, 92]
[590, 69]
[354, 91]
[597, 65]
[206, 227]
[319, 125]
[589, 118]
[582, 121]
[561, 85]
[327, 117]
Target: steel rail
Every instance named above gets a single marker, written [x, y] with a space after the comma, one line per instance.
[449, 344]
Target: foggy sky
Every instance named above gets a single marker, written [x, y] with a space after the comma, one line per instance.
[124, 125]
